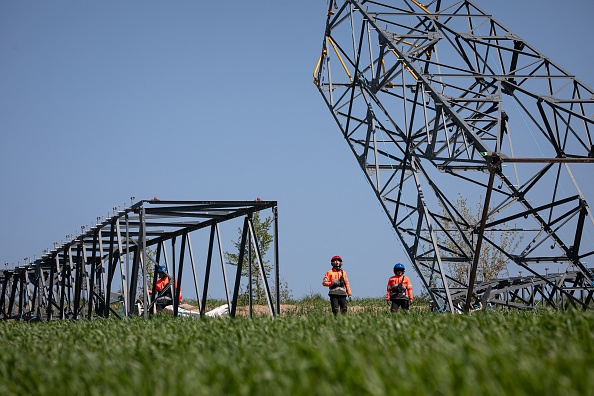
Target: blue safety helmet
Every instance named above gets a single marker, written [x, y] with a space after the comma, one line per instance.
[161, 269]
[399, 267]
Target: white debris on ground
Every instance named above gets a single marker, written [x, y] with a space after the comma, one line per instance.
[190, 311]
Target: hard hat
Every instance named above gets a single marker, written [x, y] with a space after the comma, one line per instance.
[161, 269]
[399, 266]
[336, 258]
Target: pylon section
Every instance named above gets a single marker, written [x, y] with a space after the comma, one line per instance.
[444, 108]
[105, 270]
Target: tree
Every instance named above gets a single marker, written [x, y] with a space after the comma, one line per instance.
[264, 239]
[492, 261]
[151, 262]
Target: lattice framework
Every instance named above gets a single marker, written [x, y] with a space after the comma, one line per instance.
[441, 99]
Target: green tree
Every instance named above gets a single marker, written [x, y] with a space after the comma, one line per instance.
[150, 269]
[151, 262]
[492, 261]
[264, 239]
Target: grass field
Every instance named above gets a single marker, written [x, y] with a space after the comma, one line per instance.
[305, 352]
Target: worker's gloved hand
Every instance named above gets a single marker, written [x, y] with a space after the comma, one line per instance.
[350, 298]
[388, 302]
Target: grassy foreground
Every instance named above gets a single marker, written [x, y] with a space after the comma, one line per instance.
[366, 353]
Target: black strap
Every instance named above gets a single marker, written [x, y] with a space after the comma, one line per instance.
[402, 288]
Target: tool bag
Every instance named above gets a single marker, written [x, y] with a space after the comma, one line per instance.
[398, 292]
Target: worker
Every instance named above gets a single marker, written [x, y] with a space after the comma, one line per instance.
[339, 287]
[164, 298]
[399, 292]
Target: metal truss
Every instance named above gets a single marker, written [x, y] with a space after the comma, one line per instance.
[105, 267]
[533, 291]
[441, 104]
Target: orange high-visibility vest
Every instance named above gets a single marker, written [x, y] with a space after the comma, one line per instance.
[334, 275]
[162, 282]
[406, 283]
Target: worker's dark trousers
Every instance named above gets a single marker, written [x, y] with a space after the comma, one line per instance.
[338, 301]
[399, 303]
[162, 302]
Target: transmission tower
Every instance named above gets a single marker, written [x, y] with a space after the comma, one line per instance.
[110, 269]
[441, 103]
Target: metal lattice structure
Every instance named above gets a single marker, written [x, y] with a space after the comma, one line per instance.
[105, 266]
[440, 103]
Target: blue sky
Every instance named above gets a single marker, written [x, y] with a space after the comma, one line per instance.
[100, 101]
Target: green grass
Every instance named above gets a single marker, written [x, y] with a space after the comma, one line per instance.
[368, 353]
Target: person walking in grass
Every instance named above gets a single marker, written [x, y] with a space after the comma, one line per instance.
[339, 287]
[399, 290]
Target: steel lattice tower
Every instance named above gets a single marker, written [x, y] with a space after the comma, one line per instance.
[441, 103]
[107, 265]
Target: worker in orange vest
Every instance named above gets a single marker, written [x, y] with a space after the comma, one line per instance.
[399, 291]
[339, 287]
[166, 298]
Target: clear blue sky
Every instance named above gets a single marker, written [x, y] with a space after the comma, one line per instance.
[204, 100]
